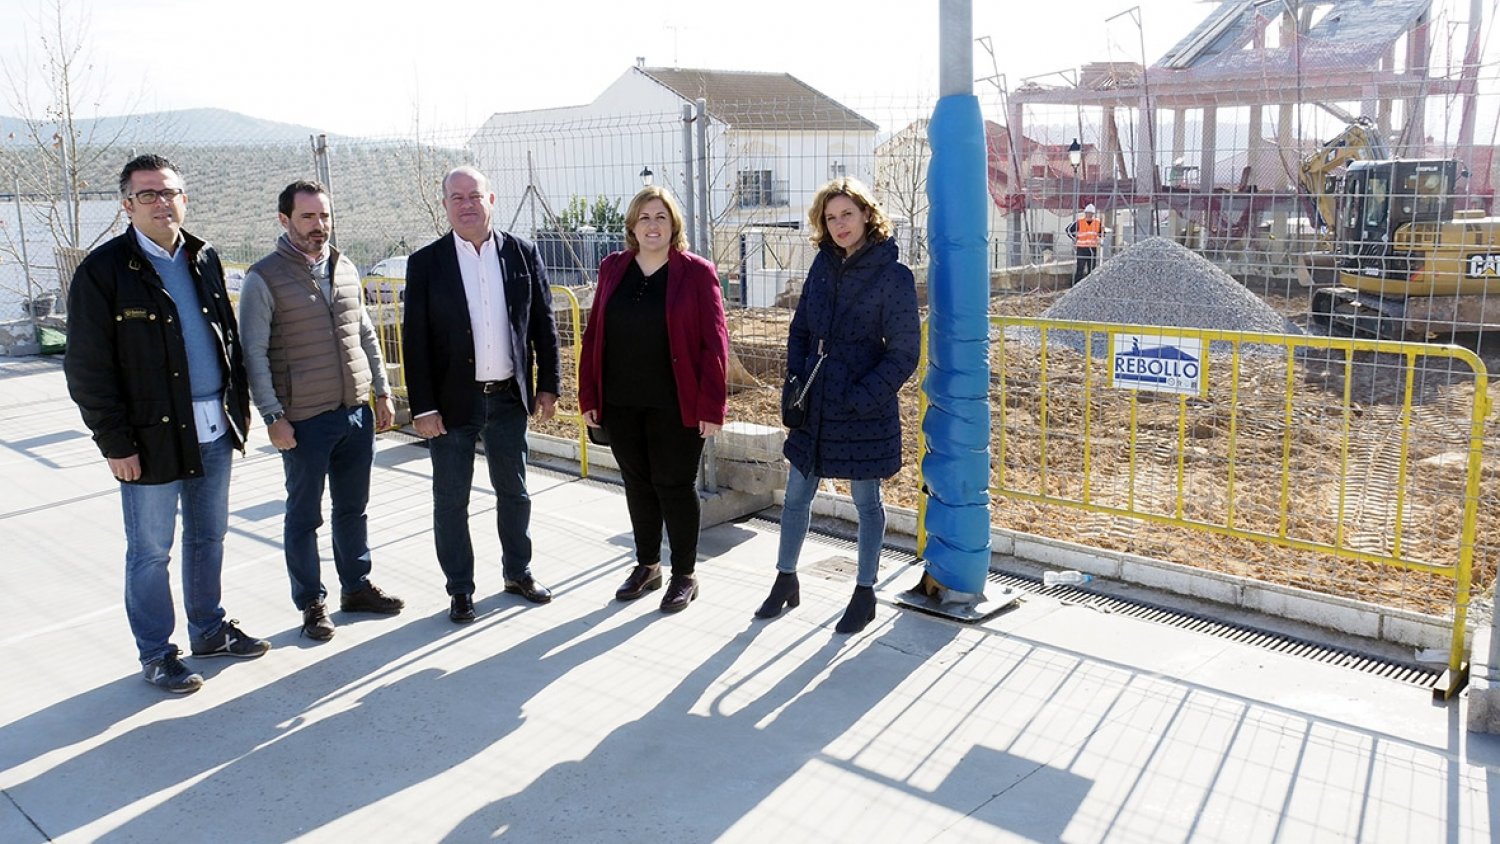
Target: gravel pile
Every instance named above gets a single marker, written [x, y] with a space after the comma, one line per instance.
[1159, 282]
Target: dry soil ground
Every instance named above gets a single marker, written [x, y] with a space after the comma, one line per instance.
[1287, 463]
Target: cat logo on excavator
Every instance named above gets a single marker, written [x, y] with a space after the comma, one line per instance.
[1482, 266]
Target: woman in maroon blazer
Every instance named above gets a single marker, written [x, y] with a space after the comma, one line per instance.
[653, 375]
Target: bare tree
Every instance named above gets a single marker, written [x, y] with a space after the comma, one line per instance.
[425, 175]
[901, 181]
[748, 204]
[63, 154]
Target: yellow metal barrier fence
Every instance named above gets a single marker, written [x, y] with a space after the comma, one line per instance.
[1345, 451]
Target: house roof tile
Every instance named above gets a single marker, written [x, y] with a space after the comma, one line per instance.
[761, 101]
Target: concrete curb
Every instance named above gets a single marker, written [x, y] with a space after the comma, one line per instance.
[744, 488]
[1341, 615]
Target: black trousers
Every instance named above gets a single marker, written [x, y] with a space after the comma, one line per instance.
[658, 460]
[1087, 257]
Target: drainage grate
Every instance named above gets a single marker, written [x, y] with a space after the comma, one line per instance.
[1417, 675]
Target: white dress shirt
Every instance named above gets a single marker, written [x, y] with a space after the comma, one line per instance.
[484, 286]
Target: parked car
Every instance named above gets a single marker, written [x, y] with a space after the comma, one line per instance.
[234, 279]
[386, 281]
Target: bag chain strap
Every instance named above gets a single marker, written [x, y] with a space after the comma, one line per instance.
[822, 356]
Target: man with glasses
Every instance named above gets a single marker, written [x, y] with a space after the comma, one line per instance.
[155, 367]
[314, 360]
[478, 320]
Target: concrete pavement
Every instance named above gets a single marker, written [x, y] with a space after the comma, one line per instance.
[590, 720]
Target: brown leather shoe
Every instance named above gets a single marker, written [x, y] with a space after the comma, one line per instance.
[642, 579]
[315, 622]
[681, 590]
[528, 588]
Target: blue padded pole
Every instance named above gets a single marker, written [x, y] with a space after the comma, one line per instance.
[956, 467]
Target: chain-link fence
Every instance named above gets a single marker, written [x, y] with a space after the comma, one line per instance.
[1259, 182]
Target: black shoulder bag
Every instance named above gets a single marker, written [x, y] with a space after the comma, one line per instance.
[794, 393]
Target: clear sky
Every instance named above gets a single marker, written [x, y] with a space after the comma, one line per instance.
[368, 67]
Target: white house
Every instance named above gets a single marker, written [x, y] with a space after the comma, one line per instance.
[772, 141]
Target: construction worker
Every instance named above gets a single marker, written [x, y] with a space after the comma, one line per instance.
[1087, 234]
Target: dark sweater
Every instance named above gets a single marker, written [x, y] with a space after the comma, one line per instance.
[638, 365]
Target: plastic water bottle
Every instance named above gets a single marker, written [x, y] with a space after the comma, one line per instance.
[1065, 578]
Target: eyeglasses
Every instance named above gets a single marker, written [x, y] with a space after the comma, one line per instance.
[150, 197]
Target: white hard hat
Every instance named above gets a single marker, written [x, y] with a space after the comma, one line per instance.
[1088, 209]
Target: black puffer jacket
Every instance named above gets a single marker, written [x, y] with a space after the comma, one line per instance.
[127, 364]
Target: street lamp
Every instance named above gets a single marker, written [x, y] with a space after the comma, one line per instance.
[1075, 158]
[646, 175]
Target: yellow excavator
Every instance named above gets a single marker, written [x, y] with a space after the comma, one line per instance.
[1402, 262]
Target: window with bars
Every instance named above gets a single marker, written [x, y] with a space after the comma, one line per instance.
[755, 188]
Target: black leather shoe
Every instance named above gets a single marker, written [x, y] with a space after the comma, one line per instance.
[371, 599]
[785, 592]
[315, 623]
[528, 588]
[461, 610]
[642, 579]
[681, 590]
[860, 612]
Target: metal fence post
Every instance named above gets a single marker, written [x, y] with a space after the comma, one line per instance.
[708, 474]
[15, 183]
[325, 175]
[69, 188]
[689, 190]
[705, 233]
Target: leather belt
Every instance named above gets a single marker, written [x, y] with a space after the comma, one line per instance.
[488, 387]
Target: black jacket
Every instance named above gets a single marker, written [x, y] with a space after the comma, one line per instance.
[437, 339]
[127, 365]
[863, 313]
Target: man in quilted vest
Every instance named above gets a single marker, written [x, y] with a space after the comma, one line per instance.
[313, 360]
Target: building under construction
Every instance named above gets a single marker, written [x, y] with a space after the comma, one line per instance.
[1221, 143]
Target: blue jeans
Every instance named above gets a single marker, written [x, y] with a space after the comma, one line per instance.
[796, 513]
[500, 419]
[150, 526]
[339, 446]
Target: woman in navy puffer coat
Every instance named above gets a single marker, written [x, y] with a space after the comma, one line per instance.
[858, 313]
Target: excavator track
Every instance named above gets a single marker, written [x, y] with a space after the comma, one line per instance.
[1345, 312]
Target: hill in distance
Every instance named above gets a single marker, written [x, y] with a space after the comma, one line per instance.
[194, 127]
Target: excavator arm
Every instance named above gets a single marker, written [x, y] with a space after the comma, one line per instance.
[1319, 172]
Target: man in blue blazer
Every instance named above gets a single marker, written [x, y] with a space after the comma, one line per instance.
[481, 355]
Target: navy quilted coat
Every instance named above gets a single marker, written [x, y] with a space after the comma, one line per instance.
[863, 313]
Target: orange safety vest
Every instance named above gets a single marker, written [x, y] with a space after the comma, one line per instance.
[1089, 233]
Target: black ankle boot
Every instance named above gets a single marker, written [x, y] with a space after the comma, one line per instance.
[785, 591]
[861, 611]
